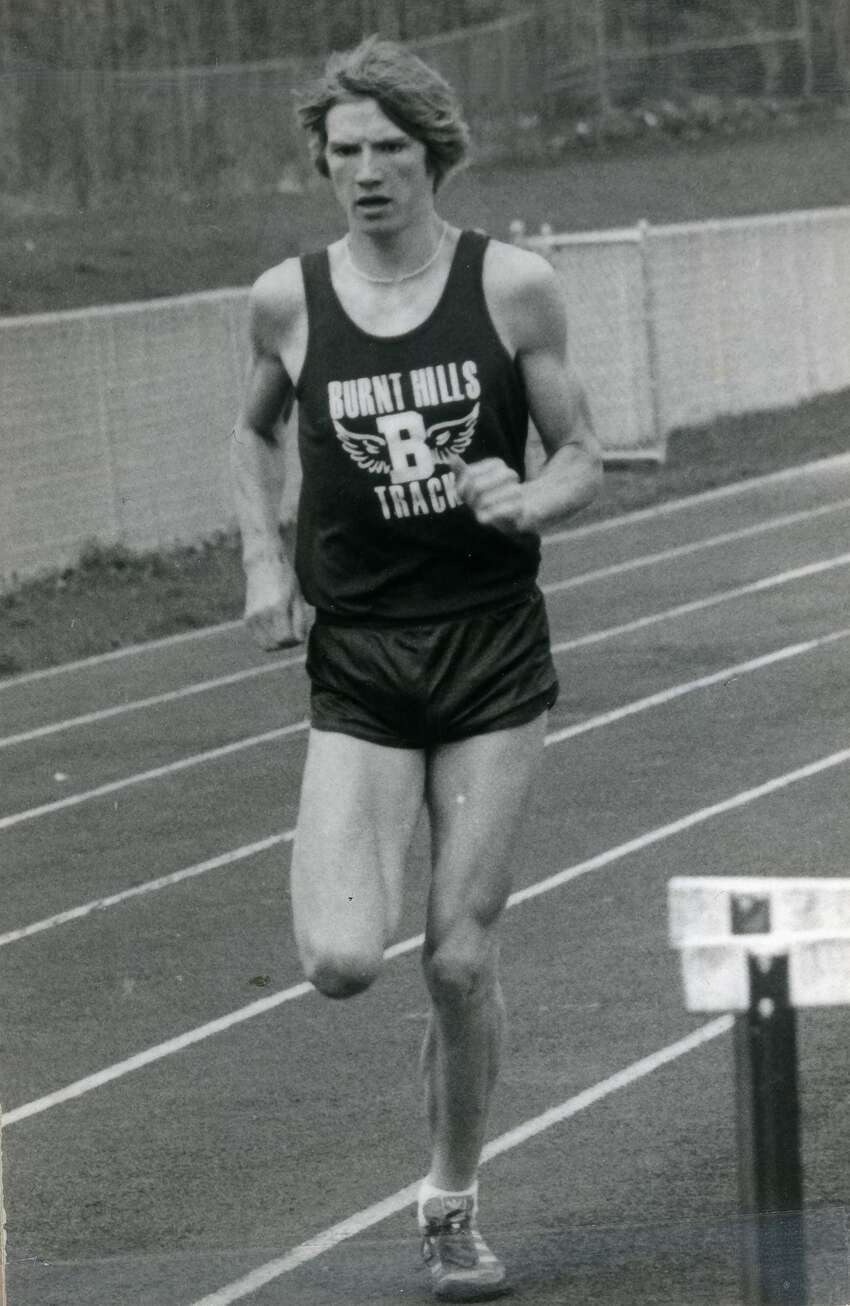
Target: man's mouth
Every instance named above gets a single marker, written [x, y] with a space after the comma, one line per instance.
[372, 202]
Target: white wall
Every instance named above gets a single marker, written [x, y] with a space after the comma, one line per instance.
[114, 422]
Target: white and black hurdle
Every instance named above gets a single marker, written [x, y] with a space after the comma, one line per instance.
[761, 948]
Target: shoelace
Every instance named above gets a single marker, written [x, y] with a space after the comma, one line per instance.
[452, 1237]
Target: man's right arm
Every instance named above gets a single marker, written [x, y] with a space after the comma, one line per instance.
[274, 608]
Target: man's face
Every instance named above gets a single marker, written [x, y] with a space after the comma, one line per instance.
[379, 173]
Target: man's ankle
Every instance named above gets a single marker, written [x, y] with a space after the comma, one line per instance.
[428, 1191]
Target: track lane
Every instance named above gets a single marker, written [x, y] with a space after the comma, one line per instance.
[229, 803]
[57, 761]
[611, 716]
[228, 1161]
[160, 666]
[183, 943]
[555, 584]
[103, 1137]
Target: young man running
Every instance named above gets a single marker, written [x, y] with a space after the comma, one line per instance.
[416, 353]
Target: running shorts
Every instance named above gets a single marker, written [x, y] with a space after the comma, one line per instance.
[414, 686]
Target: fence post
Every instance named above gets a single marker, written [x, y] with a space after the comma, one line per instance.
[805, 23]
[650, 327]
[602, 88]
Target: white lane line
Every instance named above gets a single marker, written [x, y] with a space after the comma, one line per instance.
[580, 641]
[158, 772]
[149, 886]
[724, 675]
[399, 1201]
[709, 601]
[131, 650]
[552, 587]
[154, 700]
[836, 462]
[693, 546]
[601, 860]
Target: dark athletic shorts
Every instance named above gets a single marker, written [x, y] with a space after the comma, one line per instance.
[413, 686]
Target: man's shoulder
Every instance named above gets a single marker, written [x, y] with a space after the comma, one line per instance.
[276, 300]
[513, 268]
[278, 289]
[523, 293]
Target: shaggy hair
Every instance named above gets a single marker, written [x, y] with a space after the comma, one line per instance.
[411, 94]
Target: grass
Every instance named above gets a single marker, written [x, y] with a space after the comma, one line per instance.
[115, 598]
[156, 247]
[153, 246]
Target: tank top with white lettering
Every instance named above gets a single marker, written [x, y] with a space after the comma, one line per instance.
[382, 536]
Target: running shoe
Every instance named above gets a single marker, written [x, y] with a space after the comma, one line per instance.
[462, 1266]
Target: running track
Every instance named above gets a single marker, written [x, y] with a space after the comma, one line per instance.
[188, 1125]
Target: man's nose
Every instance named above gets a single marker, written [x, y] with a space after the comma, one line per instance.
[368, 171]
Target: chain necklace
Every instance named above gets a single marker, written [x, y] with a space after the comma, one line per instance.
[404, 276]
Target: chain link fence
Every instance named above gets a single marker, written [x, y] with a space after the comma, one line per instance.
[114, 422]
[91, 135]
[228, 129]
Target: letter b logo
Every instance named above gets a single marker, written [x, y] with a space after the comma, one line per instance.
[410, 456]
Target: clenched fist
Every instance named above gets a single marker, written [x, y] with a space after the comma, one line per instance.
[493, 492]
[275, 611]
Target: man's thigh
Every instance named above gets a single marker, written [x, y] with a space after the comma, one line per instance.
[478, 791]
[359, 806]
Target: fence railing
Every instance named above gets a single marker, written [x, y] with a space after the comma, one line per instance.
[114, 421]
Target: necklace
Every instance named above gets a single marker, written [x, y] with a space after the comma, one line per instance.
[403, 276]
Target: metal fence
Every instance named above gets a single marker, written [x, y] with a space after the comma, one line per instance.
[606, 54]
[673, 326]
[88, 135]
[226, 129]
[114, 422]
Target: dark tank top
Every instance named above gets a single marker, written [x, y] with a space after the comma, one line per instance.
[382, 535]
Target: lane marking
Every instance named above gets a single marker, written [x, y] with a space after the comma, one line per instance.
[724, 675]
[673, 692]
[157, 773]
[837, 462]
[710, 601]
[571, 582]
[580, 641]
[399, 1201]
[799, 471]
[600, 861]
[154, 700]
[150, 886]
[694, 546]
[130, 650]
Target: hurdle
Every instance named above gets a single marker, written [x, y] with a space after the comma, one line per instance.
[761, 948]
[2, 1222]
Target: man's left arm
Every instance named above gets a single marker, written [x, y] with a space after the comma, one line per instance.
[572, 473]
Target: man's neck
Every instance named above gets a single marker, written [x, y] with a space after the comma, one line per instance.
[396, 255]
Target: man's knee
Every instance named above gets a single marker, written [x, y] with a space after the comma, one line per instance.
[459, 972]
[342, 974]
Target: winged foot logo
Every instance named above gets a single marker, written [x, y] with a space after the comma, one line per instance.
[408, 454]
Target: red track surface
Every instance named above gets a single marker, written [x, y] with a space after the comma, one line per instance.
[164, 1181]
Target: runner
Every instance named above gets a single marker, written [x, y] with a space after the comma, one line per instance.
[415, 352]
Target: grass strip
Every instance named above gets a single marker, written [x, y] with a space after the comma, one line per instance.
[115, 597]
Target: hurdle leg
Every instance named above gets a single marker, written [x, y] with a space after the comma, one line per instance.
[2, 1222]
[770, 1155]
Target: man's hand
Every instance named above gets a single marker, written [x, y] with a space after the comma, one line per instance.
[275, 611]
[493, 492]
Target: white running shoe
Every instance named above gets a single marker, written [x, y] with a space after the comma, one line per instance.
[462, 1266]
